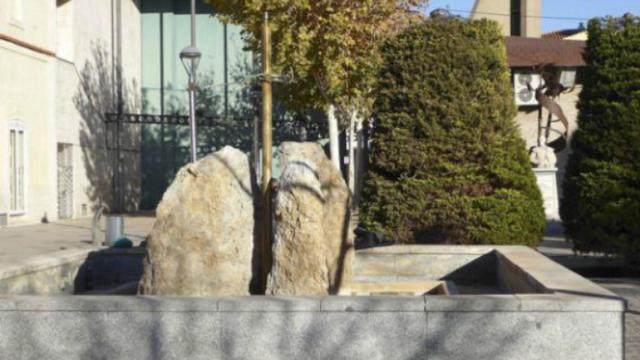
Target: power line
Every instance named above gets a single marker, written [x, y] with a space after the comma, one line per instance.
[527, 16]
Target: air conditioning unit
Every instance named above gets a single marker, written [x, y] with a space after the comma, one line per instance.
[524, 95]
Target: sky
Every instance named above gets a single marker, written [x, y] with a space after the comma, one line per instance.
[573, 12]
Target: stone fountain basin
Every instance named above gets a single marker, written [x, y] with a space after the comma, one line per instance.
[512, 303]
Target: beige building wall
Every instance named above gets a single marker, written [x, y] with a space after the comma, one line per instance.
[530, 19]
[496, 10]
[61, 97]
[500, 11]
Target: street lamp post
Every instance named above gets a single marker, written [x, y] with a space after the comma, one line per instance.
[190, 58]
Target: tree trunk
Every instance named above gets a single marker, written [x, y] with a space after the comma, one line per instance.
[356, 146]
[334, 141]
[352, 143]
[359, 160]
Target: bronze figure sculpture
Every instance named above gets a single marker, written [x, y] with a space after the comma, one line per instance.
[550, 88]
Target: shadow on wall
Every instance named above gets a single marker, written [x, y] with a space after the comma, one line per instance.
[194, 333]
[98, 93]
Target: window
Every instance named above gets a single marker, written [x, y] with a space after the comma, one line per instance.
[516, 17]
[16, 167]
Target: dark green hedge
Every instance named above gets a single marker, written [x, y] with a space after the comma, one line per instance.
[447, 164]
[601, 204]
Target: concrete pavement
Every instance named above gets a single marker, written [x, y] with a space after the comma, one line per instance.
[20, 243]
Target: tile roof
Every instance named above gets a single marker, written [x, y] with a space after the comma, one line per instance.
[527, 52]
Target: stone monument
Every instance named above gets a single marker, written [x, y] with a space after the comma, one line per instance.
[313, 245]
[202, 241]
[543, 156]
[543, 159]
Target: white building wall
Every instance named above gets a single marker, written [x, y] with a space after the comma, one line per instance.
[27, 94]
[4, 151]
[48, 93]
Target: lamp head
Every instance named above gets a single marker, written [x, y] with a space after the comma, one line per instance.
[190, 58]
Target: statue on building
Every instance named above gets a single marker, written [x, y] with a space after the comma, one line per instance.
[543, 155]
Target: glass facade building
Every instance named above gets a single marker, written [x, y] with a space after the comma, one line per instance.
[223, 90]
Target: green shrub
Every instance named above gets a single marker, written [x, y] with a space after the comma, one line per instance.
[601, 204]
[447, 164]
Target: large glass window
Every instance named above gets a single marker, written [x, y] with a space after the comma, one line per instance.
[16, 170]
[222, 92]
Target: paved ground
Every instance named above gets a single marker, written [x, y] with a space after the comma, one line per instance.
[561, 251]
[22, 242]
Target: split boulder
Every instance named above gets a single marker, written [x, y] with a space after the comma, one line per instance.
[313, 239]
[202, 241]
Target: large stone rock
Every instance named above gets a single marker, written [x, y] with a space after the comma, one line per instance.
[313, 245]
[202, 241]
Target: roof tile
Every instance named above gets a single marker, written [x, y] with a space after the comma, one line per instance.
[527, 52]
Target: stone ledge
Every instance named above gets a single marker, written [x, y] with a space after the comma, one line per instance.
[373, 304]
[268, 304]
[570, 303]
[526, 267]
[344, 328]
[551, 275]
[42, 262]
[472, 303]
[265, 304]
[525, 335]
[101, 303]
[430, 249]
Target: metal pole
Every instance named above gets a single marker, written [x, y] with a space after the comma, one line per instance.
[192, 116]
[163, 164]
[225, 50]
[266, 152]
[193, 23]
[118, 202]
[539, 124]
[192, 89]
[547, 131]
